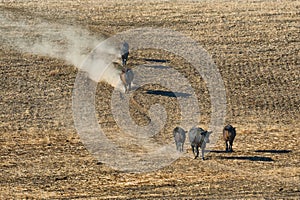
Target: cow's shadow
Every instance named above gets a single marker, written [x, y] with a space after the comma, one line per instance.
[273, 151]
[250, 158]
[168, 93]
[156, 60]
[216, 151]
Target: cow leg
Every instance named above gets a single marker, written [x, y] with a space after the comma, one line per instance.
[124, 59]
[197, 152]
[202, 153]
[226, 146]
[193, 148]
[177, 146]
[230, 146]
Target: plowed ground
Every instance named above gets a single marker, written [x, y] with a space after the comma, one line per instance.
[255, 45]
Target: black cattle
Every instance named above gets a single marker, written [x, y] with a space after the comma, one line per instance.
[229, 134]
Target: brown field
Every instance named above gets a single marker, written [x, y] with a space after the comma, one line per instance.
[255, 45]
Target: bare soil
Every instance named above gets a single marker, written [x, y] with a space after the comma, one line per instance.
[255, 45]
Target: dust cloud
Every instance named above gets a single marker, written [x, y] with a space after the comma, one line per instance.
[72, 44]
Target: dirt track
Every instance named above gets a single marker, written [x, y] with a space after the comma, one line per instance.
[255, 45]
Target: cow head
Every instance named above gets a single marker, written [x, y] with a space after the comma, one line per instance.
[206, 136]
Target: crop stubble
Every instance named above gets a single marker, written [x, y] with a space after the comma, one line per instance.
[255, 45]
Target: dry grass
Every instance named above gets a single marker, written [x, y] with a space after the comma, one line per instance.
[255, 45]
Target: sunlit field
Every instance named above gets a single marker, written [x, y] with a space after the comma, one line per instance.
[255, 47]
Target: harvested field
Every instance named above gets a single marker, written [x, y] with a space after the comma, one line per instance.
[255, 46]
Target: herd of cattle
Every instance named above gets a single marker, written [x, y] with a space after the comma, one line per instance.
[199, 137]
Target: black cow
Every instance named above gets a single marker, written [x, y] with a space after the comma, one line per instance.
[124, 53]
[229, 134]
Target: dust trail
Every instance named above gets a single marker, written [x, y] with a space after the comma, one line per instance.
[30, 34]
